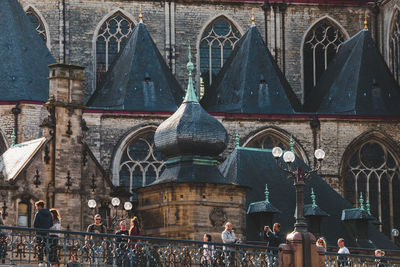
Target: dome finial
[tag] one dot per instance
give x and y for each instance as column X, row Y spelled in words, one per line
column 190, row 93
column 365, row 22
column 252, row 17
column 140, row 14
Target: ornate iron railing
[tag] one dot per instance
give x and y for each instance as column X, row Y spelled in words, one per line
column 29, row 246
column 355, row 260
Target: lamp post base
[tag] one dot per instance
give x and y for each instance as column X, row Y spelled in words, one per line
column 304, row 253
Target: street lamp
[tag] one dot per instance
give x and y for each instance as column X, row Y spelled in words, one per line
column 115, row 202
column 299, row 177
column 92, row 205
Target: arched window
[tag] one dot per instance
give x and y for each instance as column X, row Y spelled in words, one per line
column 111, row 38
column 270, row 138
column 217, row 43
column 394, row 43
column 373, row 170
column 141, row 163
column 320, row 46
column 37, row 23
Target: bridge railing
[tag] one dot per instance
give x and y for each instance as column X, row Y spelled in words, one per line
column 356, row 260
column 34, row 246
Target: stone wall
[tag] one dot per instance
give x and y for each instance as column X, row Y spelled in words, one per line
column 187, row 211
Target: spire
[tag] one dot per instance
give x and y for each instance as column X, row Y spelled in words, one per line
column 291, row 144
column 314, row 203
column 252, row 17
column 13, row 137
column 266, row 194
column 365, row 22
column 190, row 94
column 361, row 202
column 237, row 139
column 140, row 14
column 368, row 206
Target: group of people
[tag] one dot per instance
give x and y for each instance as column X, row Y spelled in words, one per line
column 342, row 260
column 46, row 219
column 126, row 243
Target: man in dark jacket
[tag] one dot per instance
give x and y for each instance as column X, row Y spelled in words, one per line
column 43, row 220
column 275, row 237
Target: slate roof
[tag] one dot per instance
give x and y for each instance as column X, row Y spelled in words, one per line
column 256, row 167
column 139, row 79
column 191, row 139
column 261, row 207
column 24, row 56
column 251, row 82
column 17, row 157
column 356, row 82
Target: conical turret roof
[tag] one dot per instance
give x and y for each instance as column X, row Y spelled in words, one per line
column 139, row 79
column 251, row 82
column 356, row 82
column 24, row 56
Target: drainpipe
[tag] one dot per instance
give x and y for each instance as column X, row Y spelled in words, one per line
column 16, row 111
column 315, row 127
column 266, row 8
column 282, row 8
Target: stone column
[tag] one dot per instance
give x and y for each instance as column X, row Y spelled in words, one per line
column 66, row 106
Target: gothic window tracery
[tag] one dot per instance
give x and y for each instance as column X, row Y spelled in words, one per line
column 141, row 163
column 320, row 46
column 37, row 23
column 112, row 37
column 217, row 43
column 394, row 43
column 271, row 139
column 373, row 171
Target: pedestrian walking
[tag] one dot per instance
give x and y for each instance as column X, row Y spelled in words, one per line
column 44, row 221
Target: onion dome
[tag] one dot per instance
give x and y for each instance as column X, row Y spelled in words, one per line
column 191, row 130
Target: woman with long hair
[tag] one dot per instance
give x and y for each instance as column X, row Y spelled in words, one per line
column 54, row 238
column 208, row 252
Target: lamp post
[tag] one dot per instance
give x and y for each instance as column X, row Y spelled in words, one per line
column 115, row 202
column 299, row 181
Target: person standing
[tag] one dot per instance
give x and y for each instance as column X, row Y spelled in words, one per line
column 122, row 245
column 342, row 260
column 54, row 237
column 93, row 243
column 274, row 237
column 42, row 220
column 3, row 241
column 208, row 252
column 228, row 237
column 379, row 260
